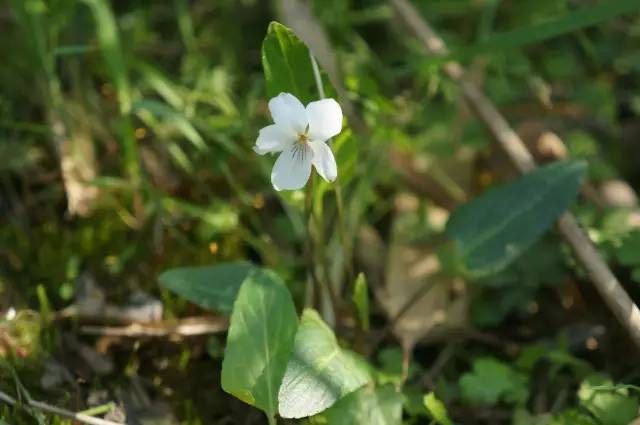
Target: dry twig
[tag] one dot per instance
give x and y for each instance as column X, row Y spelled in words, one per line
column 47, row 408
column 597, row 269
column 183, row 328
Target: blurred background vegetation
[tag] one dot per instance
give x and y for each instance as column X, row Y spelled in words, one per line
column 126, row 130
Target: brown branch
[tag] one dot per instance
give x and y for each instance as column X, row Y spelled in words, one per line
column 44, row 407
column 597, row 269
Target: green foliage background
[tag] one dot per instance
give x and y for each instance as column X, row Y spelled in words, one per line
column 126, row 131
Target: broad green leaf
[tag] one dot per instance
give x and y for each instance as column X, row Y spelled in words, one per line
column 319, row 372
column 436, row 409
column 287, row 64
column 491, row 381
column 211, row 287
column 610, row 404
column 371, row 406
column 361, row 300
column 260, row 339
column 493, row 230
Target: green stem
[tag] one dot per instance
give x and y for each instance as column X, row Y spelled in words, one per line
column 317, row 76
column 308, row 243
column 272, row 420
column 338, row 187
column 346, row 247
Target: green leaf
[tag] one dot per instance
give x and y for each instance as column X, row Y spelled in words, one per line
column 211, row 287
column 436, row 409
column 109, row 41
column 319, row 372
column 574, row 417
column 379, row 406
column 493, row 230
column 522, row 417
column 570, row 22
column 491, row 381
column 629, row 252
column 166, row 115
column 361, row 300
column 610, row 404
column 107, row 32
column 260, row 339
column 287, row 64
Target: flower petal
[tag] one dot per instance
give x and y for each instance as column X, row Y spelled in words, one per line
column 324, row 161
column 325, row 119
column 292, row 168
column 288, row 112
column 274, row 138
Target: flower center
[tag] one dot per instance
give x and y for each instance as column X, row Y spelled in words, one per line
column 301, row 147
column 304, row 137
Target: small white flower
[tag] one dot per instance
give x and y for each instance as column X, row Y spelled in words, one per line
column 300, row 135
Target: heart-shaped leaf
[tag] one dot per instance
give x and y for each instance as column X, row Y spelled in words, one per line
column 319, row 372
column 260, row 339
column 371, row 406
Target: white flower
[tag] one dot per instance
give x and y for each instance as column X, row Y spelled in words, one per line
column 300, row 135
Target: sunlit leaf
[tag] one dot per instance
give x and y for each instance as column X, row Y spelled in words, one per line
column 612, row 405
column 371, row 406
column 319, row 372
column 436, row 409
column 260, row 339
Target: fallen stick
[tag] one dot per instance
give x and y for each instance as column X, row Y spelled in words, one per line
column 597, row 269
column 183, row 328
column 44, row 407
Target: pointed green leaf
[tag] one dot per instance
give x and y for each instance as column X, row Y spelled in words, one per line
column 287, row 64
column 379, row 406
column 361, row 300
column 496, row 228
column 319, row 372
column 211, row 287
column 436, row 409
column 260, row 339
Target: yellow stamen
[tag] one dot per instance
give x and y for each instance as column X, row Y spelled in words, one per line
column 302, row 138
